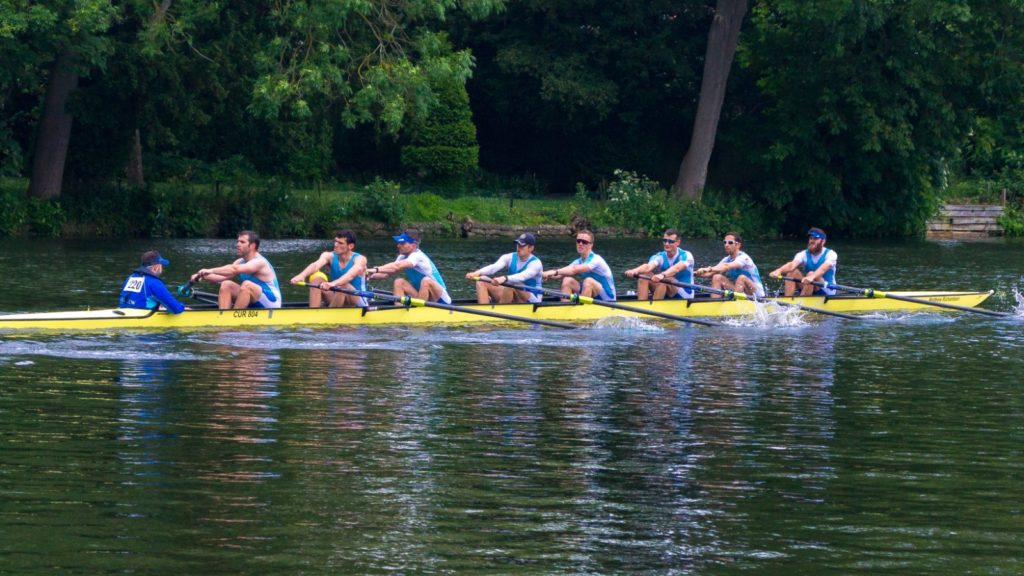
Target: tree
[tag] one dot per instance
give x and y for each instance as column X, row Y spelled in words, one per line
column 722, row 40
column 65, row 38
column 443, row 144
column 571, row 90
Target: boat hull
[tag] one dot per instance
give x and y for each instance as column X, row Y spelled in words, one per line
column 122, row 318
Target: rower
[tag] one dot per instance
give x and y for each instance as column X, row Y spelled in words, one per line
column 736, row 271
column 258, row 287
column 347, row 270
column 597, row 279
column 144, row 289
column 422, row 279
column 814, row 264
column 523, row 268
column 672, row 262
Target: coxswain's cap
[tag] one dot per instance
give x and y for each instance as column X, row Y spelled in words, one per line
column 152, row 258
column 816, row 233
column 526, row 238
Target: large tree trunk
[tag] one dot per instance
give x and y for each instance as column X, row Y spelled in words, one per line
column 54, row 130
column 722, row 39
column 133, row 173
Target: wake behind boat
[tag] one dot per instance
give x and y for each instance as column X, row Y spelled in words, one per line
column 298, row 316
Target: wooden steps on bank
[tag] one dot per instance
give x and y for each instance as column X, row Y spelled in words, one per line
column 966, row 221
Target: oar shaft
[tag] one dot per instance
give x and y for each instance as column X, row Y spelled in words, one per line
column 588, row 300
column 742, row 296
column 420, row 303
column 872, row 293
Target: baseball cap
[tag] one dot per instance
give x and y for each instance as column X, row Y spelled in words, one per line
column 405, row 236
column 816, row 233
column 526, row 238
column 153, row 257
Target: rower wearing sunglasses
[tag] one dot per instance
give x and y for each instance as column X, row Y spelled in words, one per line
column 672, row 262
column 736, row 271
column 597, row 279
column 815, row 264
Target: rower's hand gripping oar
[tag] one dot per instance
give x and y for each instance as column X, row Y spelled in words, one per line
column 730, row 294
column 409, row 301
column 580, row 299
column 872, row 293
column 186, row 291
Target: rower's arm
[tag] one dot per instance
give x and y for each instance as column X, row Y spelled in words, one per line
column 319, row 263
column 641, row 269
column 784, row 269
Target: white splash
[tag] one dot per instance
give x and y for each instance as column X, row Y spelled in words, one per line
column 1018, row 308
column 768, row 315
column 626, row 323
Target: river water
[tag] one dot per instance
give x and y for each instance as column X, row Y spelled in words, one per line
column 782, row 445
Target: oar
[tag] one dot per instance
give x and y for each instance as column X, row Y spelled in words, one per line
column 186, row 291
column 741, row 296
column 580, row 299
column 872, row 293
column 419, row 303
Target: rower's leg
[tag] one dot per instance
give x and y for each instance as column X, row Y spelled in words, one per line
column 316, row 295
column 570, row 285
column 746, row 285
column 227, row 294
column 592, row 288
column 248, row 293
column 402, row 287
column 661, row 291
column 643, row 288
column 430, row 290
column 789, row 288
column 721, row 282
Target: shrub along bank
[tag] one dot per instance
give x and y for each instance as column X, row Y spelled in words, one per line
column 629, row 205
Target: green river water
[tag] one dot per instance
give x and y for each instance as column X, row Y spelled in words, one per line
column 787, row 444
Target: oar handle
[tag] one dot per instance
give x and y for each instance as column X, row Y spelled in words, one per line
column 727, row 294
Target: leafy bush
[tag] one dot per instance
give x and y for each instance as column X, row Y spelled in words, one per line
column 444, row 143
column 1012, row 221
column 12, row 213
column 381, row 201
column 46, row 218
column 637, row 203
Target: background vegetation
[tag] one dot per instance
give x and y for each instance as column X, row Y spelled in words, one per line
column 860, row 116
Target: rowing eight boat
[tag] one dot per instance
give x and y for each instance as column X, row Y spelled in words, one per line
column 387, row 314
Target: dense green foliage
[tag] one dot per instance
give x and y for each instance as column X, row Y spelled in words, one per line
column 443, row 144
column 855, row 115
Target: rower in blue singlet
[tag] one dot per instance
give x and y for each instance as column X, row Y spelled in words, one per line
column 346, row 271
column 257, row 286
column 815, row 264
column 672, row 263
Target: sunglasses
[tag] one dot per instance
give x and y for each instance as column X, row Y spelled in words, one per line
column 729, row 242
column 582, row 241
column 668, row 241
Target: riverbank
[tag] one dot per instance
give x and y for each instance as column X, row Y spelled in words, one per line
column 275, row 210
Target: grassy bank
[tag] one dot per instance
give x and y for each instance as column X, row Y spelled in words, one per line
column 628, row 206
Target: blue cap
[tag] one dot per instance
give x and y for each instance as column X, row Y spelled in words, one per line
column 403, row 237
column 526, row 239
column 816, row 233
column 153, row 258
